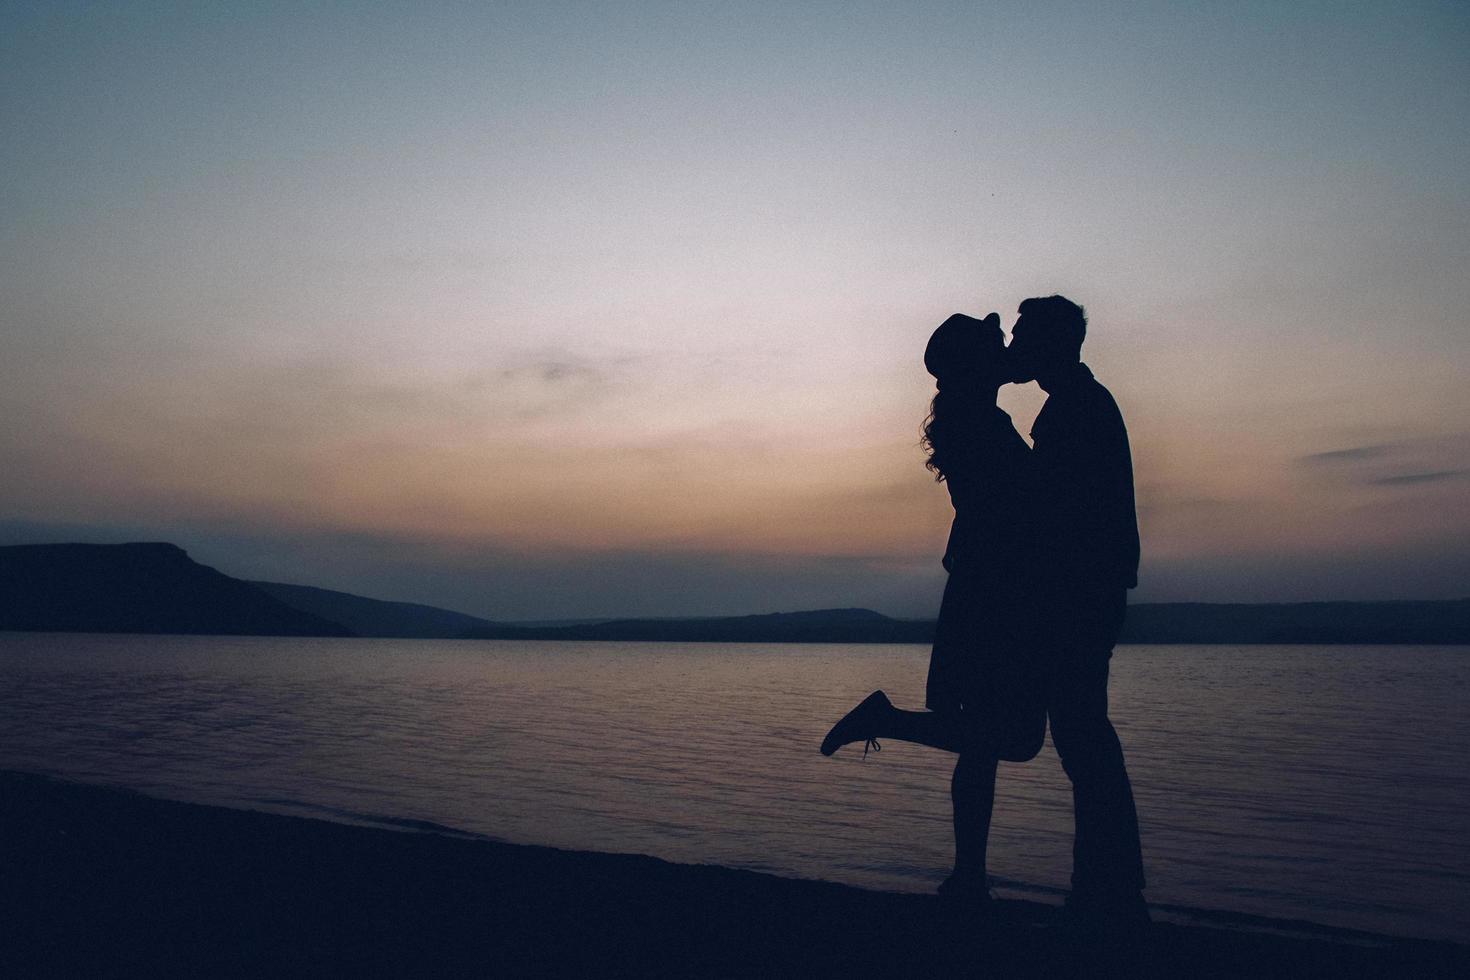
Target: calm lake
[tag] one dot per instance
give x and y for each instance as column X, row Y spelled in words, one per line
column 1313, row 783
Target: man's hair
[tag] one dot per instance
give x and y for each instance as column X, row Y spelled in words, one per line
column 1063, row 320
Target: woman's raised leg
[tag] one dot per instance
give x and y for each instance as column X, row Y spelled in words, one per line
column 876, row 718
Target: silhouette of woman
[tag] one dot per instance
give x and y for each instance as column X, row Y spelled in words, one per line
column 984, row 687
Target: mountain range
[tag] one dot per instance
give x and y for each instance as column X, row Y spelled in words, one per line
column 158, row 588
column 138, row 588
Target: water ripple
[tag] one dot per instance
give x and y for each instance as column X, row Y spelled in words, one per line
column 1311, row 784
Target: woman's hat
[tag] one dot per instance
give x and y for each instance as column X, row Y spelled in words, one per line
column 961, row 343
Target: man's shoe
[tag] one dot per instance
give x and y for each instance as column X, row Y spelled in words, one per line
column 1107, row 912
column 861, row 723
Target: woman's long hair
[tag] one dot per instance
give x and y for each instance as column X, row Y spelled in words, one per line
column 962, row 355
column 950, row 427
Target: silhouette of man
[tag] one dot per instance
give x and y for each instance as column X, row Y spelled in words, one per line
column 1088, row 555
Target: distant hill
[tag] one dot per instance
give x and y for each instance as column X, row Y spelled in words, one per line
column 1445, row 622
column 376, row 617
column 818, row 626
column 157, row 588
column 137, row 588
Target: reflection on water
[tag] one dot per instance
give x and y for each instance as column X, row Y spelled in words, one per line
column 1324, row 784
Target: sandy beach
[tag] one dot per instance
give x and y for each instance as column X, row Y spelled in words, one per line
column 101, row 882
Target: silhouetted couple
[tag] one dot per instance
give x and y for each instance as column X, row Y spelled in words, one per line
column 1041, row 554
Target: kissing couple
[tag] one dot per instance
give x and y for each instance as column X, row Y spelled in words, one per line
column 1041, row 555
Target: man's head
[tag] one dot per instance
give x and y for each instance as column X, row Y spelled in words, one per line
column 1046, row 338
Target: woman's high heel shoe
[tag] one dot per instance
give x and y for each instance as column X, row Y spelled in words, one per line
column 859, row 724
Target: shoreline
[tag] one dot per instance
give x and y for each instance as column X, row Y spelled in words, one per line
column 101, row 881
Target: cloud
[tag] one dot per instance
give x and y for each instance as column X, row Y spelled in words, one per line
column 1408, row 479
column 540, row 387
column 1347, row 455
column 1407, row 462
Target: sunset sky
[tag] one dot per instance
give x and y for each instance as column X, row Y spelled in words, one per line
column 560, row 310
